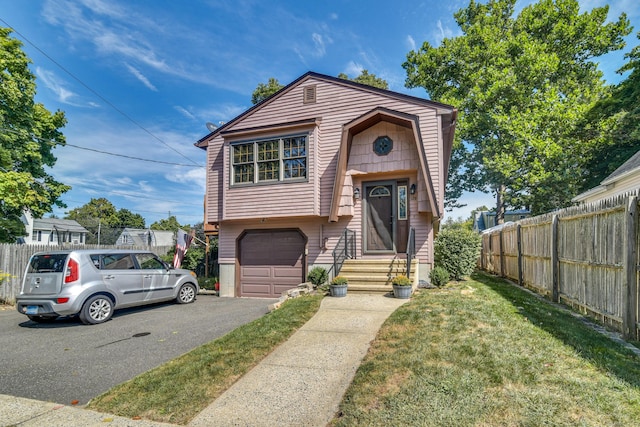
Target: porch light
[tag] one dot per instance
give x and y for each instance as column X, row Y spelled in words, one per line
column 413, row 189
column 356, row 193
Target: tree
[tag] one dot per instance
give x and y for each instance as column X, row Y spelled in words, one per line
column 169, row 224
column 613, row 125
column 126, row 218
column 103, row 221
column 29, row 134
column 522, row 86
column 367, row 79
column 263, row 91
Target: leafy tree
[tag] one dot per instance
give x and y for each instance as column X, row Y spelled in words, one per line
column 29, row 134
column 613, row 124
column 522, row 86
column 367, row 79
column 263, row 91
column 126, row 218
column 169, row 224
column 103, row 221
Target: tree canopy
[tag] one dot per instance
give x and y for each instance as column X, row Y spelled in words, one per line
column 522, row 86
column 613, row 126
column 103, row 221
column 29, row 134
column 265, row 90
column 367, row 79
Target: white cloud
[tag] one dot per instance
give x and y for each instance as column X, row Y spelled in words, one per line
column 353, row 69
column 411, row 43
column 318, row 42
column 55, row 85
column 137, row 74
column 184, row 112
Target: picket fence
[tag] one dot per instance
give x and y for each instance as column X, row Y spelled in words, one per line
column 586, row 257
column 14, row 259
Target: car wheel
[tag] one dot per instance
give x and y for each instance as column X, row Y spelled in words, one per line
column 43, row 319
column 97, row 309
column 186, row 294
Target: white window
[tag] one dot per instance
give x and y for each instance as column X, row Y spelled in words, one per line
column 269, row 160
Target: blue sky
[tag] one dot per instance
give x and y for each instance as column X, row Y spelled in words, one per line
column 141, row 78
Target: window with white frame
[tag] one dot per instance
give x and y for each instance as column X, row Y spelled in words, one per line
column 269, row 160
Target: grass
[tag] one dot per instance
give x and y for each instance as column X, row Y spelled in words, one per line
column 178, row 390
column 486, row 353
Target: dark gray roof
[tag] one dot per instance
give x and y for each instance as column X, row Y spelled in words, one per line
column 58, row 224
column 628, row 166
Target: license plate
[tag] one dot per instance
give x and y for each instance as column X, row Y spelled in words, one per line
column 32, row 309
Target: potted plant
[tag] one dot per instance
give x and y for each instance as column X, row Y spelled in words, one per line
column 402, row 286
column 338, row 286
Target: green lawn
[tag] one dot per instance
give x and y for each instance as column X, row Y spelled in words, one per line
column 486, row 353
column 178, row 390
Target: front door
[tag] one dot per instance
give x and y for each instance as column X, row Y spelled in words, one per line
column 379, row 221
column 386, row 216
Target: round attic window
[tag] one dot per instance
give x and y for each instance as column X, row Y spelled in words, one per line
column 382, row 145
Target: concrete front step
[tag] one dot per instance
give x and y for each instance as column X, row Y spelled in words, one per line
column 374, row 275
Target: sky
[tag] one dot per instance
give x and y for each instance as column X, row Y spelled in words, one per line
column 138, row 80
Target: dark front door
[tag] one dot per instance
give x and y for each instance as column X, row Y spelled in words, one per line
column 379, row 224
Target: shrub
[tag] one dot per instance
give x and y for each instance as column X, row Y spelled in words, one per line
column 457, row 251
column 401, row 280
column 318, row 276
column 439, row 276
column 339, row 280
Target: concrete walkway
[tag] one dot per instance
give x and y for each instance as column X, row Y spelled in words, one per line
column 300, row 384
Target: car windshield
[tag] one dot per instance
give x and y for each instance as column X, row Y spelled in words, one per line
column 51, row 263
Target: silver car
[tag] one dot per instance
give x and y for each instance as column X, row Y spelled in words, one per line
column 94, row 283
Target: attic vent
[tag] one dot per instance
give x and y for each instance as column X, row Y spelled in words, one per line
column 309, row 95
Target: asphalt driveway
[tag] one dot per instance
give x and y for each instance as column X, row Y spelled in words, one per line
column 67, row 361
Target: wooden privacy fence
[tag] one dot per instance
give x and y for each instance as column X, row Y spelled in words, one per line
column 14, row 259
column 586, row 257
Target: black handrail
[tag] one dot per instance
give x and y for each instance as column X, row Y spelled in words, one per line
column 411, row 249
column 345, row 248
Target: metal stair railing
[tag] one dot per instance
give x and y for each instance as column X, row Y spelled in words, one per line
column 411, row 249
column 345, row 249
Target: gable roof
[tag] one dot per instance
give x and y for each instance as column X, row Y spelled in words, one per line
column 59, row 225
column 628, row 168
column 365, row 121
column 442, row 108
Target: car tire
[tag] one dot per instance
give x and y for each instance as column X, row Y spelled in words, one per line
column 186, row 294
column 97, row 309
column 43, row 319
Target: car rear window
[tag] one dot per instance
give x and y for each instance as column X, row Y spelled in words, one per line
column 53, row 263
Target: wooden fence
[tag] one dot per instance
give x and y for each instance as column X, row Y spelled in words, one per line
column 586, row 257
column 14, row 259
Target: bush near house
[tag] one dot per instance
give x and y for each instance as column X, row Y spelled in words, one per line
column 318, row 276
column 439, row 276
column 457, row 251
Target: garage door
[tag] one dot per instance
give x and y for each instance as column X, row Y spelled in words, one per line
column 270, row 262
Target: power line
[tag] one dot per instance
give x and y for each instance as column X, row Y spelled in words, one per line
column 125, row 115
column 66, row 144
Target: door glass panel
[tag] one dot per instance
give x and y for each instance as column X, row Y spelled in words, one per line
column 380, row 219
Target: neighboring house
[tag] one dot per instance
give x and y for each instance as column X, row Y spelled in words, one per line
column 52, row 231
column 624, row 179
column 483, row 220
column 145, row 237
column 287, row 177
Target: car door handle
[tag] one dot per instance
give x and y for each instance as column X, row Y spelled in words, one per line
column 109, row 276
column 148, row 276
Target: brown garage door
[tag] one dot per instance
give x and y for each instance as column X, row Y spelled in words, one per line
column 270, row 262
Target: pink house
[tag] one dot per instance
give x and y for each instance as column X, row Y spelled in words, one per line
column 323, row 170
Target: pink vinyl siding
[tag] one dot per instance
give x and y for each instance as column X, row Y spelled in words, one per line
column 335, row 106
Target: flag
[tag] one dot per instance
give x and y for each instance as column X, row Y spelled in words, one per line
column 183, row 240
